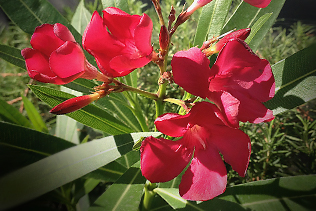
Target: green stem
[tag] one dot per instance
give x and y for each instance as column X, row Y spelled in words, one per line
column 148, row 195
column 141, row 92
column 138, row 113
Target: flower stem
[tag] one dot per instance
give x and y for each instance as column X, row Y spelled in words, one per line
column 148, row 195
column 139, row 91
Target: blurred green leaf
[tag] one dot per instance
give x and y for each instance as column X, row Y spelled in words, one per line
column 211, row 20
column 246, row 15
column 121, row 4
column 56, row 170
column 124, row 194
column 20, row 146
column 90, row 115
column 81, row 18
column 28, row 14
column 12, row 55
column 295, row 80
column 34, row 116
column 66, row 127
column 287, row 193
column 10, row 114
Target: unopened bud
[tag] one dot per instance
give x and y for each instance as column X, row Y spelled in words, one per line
column 76, row 103
column 163, row 39
column 241, row 34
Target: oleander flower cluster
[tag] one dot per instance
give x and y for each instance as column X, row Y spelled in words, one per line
column 230, row 91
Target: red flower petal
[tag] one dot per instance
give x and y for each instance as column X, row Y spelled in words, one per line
column 121, row 24
column 228, row 104
column 252, row 110
column 142, row 35
column 45, row 40
column 240, row 69
column 63, row 33
column 234, row 145
column 68, row 61
column 162, row 159
column 258, row 3
column 123, row 64
column 171, row 124
column 191, row 71
column 205, row 178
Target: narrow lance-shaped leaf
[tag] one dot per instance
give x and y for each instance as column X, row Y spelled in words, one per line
column 12, row 55
column 81, row 18
column 20, row 146
column 246, row 15
column 295, row 79
column 10, row 114
column 298, row 193
column 34, row 116
column 63, row 167
column 90, row 115
column 211, row 20
column 124, row 194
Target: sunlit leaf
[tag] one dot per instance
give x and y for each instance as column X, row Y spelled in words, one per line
column 124, row 194
column 295, row 80
column 296, row 193
column 56, row 170
column 81, row 18
column 211, row 21
column 90, row 115
column 246, row 15
column 34, row 116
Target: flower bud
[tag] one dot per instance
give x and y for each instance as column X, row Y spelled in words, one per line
column 241, row 34
column 163, row 39
column 76, row 103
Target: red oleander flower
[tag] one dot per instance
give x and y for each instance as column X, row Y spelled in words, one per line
column 258, row 3
column 204, row 135
column 56, row 57
column 119, row 42
column 238, row 83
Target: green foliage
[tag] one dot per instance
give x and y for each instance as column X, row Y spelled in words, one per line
column 84, row 173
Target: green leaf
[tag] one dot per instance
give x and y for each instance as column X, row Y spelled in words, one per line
column 20, row 146
column 211, row 20
column 12, row 55
column 34, row 116
column 295, row 79
column 82, row 85
column 66, row 127
column 28, row 14
column 63, row 167
column 90, row 115
column 121, row 4
column 257, row 26
column 81, row 18
column 117, row 105
column 10, row 114
column 246, row 15
column 124, row 194
column 294, row 193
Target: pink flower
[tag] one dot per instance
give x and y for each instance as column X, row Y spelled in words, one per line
column 258, row 3
column 56, row 57
column 119, row 42
column 237, row 83
column 204, row 135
